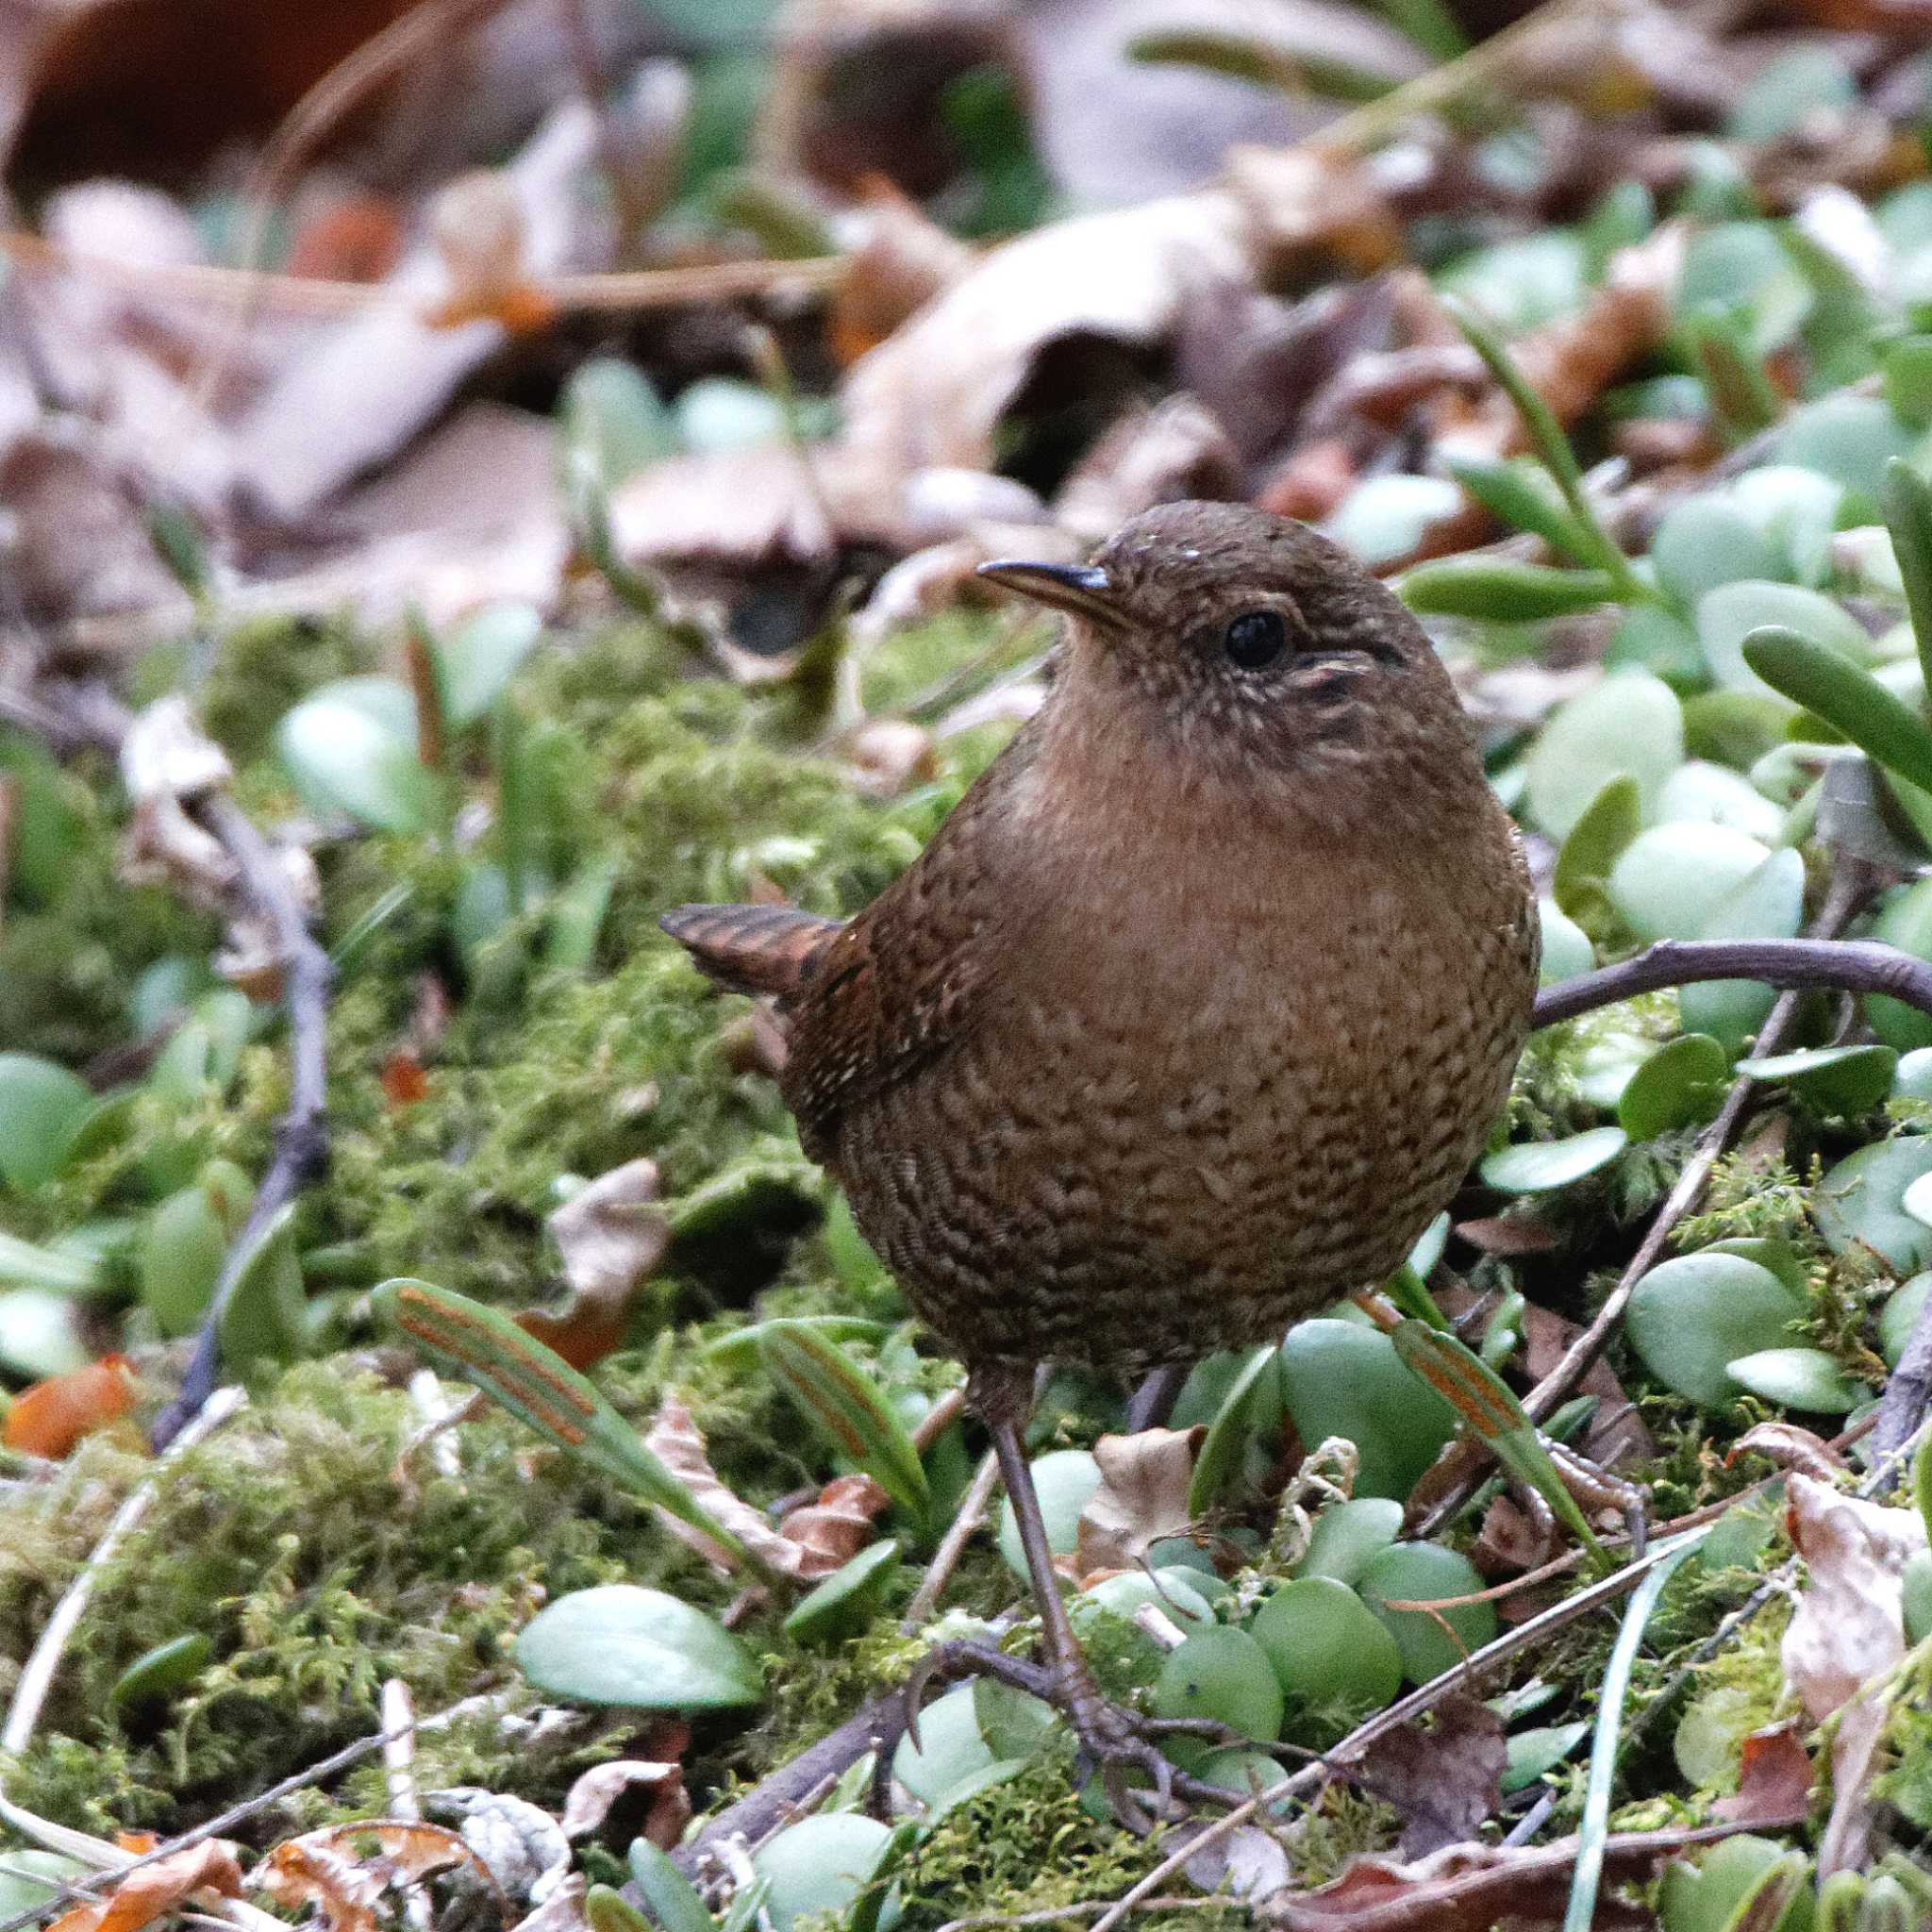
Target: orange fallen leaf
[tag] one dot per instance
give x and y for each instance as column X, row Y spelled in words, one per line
column 343, row 1869
column 403, row 1082
column 154, row 1890
column 52, row 1416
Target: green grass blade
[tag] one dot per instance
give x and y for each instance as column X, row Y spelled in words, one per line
column 1596, row 1827
column 1907, row 503
column 1847, row 697
column 1503, row 590
column 537, row 1386
column 843, row 1403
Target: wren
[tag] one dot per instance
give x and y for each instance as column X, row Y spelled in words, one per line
column 1194, row 1011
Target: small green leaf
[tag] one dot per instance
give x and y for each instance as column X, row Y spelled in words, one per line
column 1631, row 725
column 740, row 1347
column 165, row 1668
column 1539, row 1167
column 263, row 1323
column 1431, row 1641
column 1728, row 615
column 1225, row 1675
column 484, row 1346
column 1587, row 857
column 1502, row 591
column 1681, row 1084
column 1908, row 502
column 1805, row 1378
column 1328, row 1647
column 1692, row 1316
column 1767, row 902
column 1862, row 1201
column 1847, row 697
column 817, row 1868
column 480, row 657
column 642, row 1649
column 1221, row 1449
column 23, row 1265
column 1348, row 1534
column 40, row 1334
column 1343, row 1378
column 1834, row 1079
column 1535, row 1753
column 1064, row 1481
column 42, row 1109
column 607, row 1909
column 672, row 1901
column 1671, row 879
column 350, row 750
column 847, row 1408
column 843, row 1603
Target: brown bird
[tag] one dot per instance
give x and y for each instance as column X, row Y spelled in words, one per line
column 1195, row 1010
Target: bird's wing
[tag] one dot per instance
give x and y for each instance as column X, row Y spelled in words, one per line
column 756, row 949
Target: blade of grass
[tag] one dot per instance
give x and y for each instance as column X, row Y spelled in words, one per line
column 1548, row 438
column 1596, row 1827
column 1907, row 503
column 1847, row 697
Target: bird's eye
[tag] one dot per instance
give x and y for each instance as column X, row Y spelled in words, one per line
column 1255, row 639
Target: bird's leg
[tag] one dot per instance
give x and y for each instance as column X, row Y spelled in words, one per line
column 1117, row 1740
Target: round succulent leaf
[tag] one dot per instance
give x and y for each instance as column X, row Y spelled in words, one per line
column 1429, row 1245
column 1328, row 1647
column 1608, row 1063
column 1065, row 1480
column 846, row 1601
column 620, row 1644
column 264, row 1321
column 1384, row 519
column 1566, row 949
column 181, row 1251
column 1802, row 1378
column 1767, row 902
column 1014, row 1721
column 1340, row 1378
column 1905, row 921
column 1797, row 509
column 1668, row 881
column 951, row 1748
column 1789, row 92
column 350, row 750
column 42, row 1109
column 1690, row 1318
column 1734, row 728
column 1701, row 793
column 1652, row 639
column 1908, row 364
column 1862, row 1200
column 818, row 1867
column 1428, row 1572
column 1524, row 281
column 1726, row 616
column 480, row 657
column 1171, row 1591
column 1225, row 1675
column 41, row 1334
column 1716, row 1895
column 1769, row 1251
column 1347, row 1535
column 613, row 420
column 1849, row 439
column 1631, row 723
column 1900, row 1315
column 1704, row 541
column 168, row 1667
column 1580, row 881
column 1743, row 269
column 29, row 1879
column 1251, row 1772
column 1540, row 1167
column 1834, row 1079
column 1681, row 1084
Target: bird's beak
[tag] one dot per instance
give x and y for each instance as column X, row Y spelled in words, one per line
column 1083, row 588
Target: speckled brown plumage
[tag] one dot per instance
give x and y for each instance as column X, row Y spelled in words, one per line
column 1193, row 1012
column 1200, row 1004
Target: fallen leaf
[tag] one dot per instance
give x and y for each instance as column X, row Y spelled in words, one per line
column 51, row 1417
column 901, row 260
column 1774, row 1778
column 887, row 754
column 1789, row 1447
column 521, row 1848
column 167, row 763
column 563, row 1909
column 154, row 1890
column 611, row 1235
column 1143, row 1497
column 1443, row 1778
column 343, row 1869
column 1616, row 1433
column 809, row 1543
column 1166, row 454
column 404, row 1081
column 1848, row 1628
column 592, row 1796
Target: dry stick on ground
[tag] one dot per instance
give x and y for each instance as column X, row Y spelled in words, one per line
column 945, row 1559
column 301, row 1137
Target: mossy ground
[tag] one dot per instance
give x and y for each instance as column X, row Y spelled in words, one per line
column 320, row 1561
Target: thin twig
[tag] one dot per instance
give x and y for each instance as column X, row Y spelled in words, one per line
column 959, row 1532
column 37, row 1674
column 1907, row 1391
column 1136, row 1897
column 301, row 1137
column 940, row 1418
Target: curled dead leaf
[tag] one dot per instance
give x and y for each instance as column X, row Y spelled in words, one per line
column 902, row 259
column 343, row 1869
column 592, row 1796
column 1789, row 1447
column 154, row 1890
column 1773, row 1778
column 811, row 1542
column 52, row 1416
column 611, row 1236
column 1143, row 1497
column 1446, row 1778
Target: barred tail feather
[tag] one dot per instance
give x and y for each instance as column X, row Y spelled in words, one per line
column 756, row 949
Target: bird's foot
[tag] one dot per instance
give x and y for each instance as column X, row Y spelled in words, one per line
column 1118, row 1742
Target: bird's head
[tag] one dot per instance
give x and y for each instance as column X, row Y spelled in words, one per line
column 1243, row 640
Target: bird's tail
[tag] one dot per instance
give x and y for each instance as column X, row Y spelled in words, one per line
column 756, row 949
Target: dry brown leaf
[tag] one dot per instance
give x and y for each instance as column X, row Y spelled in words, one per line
column 49, row 1418
column 889, row 753
column 154, row 1890
column 561, row 1910
column 1848, row 1628
column 1445, row 1779
column 592, row 1796
column 1143, row 1497
column 342, row 1870
column 934, row 393
column 811, row 1542
column 611, row 1236
column 902, row 260
column 1789, row 1447
column 1301, row 202
column 1616, row 1432
column 1773, row 1778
